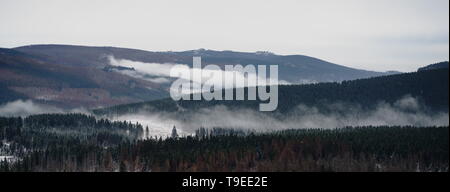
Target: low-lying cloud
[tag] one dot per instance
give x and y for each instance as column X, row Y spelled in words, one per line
column 406, row 111
column 28, row 107
column 160, row 73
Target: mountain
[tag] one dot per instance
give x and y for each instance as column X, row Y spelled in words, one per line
column 293, row 68
column 32, row 76
column 440, row 65
column 93, row 56
column 430, row 87
column 81, row 76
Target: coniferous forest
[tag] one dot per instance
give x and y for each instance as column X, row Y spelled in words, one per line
column 78, row 142
column 65, row 142
column 235, row 87
column 431, row 87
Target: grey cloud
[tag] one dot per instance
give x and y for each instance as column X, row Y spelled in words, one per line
column 28, row 107
column 406, row 111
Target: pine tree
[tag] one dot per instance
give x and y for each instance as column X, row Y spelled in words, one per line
column 174, row 132
column 123, row 167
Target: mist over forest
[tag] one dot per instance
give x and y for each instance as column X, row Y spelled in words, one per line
column 114, row 113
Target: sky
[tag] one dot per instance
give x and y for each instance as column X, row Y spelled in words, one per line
column 378, row 35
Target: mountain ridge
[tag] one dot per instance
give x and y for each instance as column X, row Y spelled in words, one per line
column 82, row 76
column 429, row 87
column 293, row 68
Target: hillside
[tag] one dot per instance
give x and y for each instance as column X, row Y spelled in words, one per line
column 81, row 76
column 440, row 65
column 293, row 68
column 429, row 87
column 76, row 142
column 25, row 76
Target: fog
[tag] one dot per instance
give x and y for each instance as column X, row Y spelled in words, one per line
column 406, row 111
column 28, row 107
column 161, row 73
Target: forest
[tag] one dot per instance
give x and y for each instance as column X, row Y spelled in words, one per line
column 93, row 143
column 430, row 87
column 79, row 142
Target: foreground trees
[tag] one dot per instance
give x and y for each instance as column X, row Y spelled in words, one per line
column 76, row 142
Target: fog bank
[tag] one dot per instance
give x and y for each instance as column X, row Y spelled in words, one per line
column 406, row 111
column 28, row 107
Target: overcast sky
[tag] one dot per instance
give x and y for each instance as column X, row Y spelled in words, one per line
column 369, row 34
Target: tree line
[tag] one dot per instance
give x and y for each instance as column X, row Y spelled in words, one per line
column 77, row 142
column 430, row 87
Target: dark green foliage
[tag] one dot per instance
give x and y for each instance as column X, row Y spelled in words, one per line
column 431, row 88
column 348, row 149
column 440, row 65
column 52, row 140
column 44, row 144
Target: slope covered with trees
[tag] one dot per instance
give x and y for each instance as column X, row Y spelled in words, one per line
column 430, row 87
column 30, row 76
column 293, row 68
column 440, row 65
column 347, row 149
column 66, row 138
